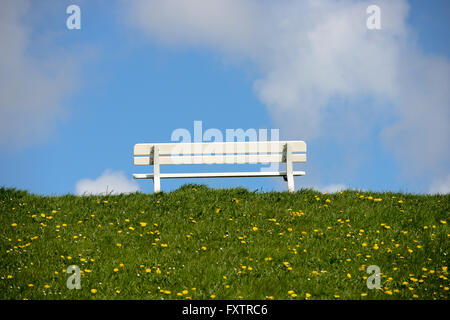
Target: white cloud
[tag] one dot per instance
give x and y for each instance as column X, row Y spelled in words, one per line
column 333, row 188
column 441, row 185
column 314, row 52
column 30, row 94
column 108, row 183
column 227, row 25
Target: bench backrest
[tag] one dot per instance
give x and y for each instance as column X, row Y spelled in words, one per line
column 219, row 152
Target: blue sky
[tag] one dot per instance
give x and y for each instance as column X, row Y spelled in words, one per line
column 76, row 101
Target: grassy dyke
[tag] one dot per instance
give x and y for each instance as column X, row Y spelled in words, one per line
column 202, row 243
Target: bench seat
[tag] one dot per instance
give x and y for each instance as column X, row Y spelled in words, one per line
column 216, row 175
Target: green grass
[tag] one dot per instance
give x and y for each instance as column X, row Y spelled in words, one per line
column 255, row 245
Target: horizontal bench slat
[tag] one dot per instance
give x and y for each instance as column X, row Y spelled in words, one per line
column 219, row 159
column 142, row 149
column 216, row 174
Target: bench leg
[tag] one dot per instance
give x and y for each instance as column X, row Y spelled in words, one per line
column 156, row 184
column 289, row 169
column 291, row 186
column 156, row 177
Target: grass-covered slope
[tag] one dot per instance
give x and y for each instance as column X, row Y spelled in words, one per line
column 201, row 243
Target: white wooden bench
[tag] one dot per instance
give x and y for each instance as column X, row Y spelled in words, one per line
column 158, row 154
